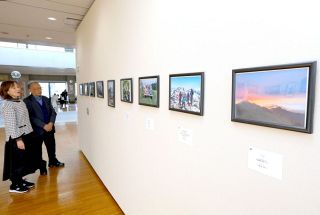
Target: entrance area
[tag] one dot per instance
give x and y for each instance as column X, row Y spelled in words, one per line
column 50, row 88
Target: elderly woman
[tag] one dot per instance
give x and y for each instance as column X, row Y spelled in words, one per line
column 18, row 130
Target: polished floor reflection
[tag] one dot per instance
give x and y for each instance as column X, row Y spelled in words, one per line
column 74, row 189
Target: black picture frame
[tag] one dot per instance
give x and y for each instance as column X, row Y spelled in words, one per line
column 100, row 89
column 86, row 90
column 126, row 90
column 186, row 93
column 149, row 91
column 92, row 89
column 111, row 93
column 278, row 96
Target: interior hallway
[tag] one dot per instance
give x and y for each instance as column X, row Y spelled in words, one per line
column 74, row 189
column 66, row 114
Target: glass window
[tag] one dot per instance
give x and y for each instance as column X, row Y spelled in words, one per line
column 8, row 45
column 50, row 48
column 35, row 47
column 29, row 46
column 22, row 45
column 45, row 89
column 57, row 88
column 48, row 89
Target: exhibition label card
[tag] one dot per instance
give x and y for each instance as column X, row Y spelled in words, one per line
column 265, row 162
column 185, row 135
column 149, row 124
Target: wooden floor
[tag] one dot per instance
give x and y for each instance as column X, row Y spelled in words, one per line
column 74, row 189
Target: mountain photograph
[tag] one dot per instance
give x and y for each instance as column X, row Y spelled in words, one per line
column 185, row 93
column 275, row 115
column 272, row 97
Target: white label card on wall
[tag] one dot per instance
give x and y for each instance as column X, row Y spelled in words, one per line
column 265, row 162
column 126, row 116
column 149, row 124
column 185, row 135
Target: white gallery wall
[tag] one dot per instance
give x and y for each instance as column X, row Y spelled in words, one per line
column 150, row 170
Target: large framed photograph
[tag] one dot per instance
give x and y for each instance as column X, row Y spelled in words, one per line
column 186, row 92
column 126, row 90
column 149, row 91
column 111, row 93
column 81, row 90
column 86, row 90
column 100, row 89
column 279, row 96
column 92, row 89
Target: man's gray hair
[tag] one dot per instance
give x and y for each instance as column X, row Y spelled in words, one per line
column 32, row 82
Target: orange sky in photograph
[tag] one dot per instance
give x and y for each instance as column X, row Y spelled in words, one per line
column 296, row 102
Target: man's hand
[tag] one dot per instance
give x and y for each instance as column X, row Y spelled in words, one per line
column 48, row 127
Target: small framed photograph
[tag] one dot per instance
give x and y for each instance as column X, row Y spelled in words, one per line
column 86, row 90
column 100, row 89
column 149, row 91
column 186, row 93
column 81, row 90
column 92, row 89
column 126, row 90
column 280, row 96
column 111, row 93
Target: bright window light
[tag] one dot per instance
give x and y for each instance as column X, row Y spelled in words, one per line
column 8, row 44
column 50, row 48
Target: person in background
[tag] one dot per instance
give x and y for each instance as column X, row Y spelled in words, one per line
column 19, row 139
column 54, row 100
column 42, row 118
column 63, row 98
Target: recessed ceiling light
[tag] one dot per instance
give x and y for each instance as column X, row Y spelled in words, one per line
column 49, row 38
column 52, row 18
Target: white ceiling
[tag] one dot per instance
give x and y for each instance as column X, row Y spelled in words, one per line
column 26, row 70
column 27, row 21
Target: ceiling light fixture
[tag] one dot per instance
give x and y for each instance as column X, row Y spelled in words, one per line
column 52, row 18
column 49, row 38
column 15, row 74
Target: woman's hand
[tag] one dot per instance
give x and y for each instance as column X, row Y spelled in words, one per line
column 20, row 144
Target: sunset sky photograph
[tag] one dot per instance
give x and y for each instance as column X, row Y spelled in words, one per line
column 285, row 88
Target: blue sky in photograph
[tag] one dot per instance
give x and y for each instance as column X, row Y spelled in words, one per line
column 148, row 81
column 186, row 82
column 269, row 79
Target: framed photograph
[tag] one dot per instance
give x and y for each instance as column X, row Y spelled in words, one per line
column 126, row 90
column 81, row 90
column 149, row 91
column 86, row 90
column 111, row 93
column 100, row 89
column 186, row 92
column 279, row 96
column 92, row 89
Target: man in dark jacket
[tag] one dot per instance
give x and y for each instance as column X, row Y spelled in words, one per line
column 42, row 117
